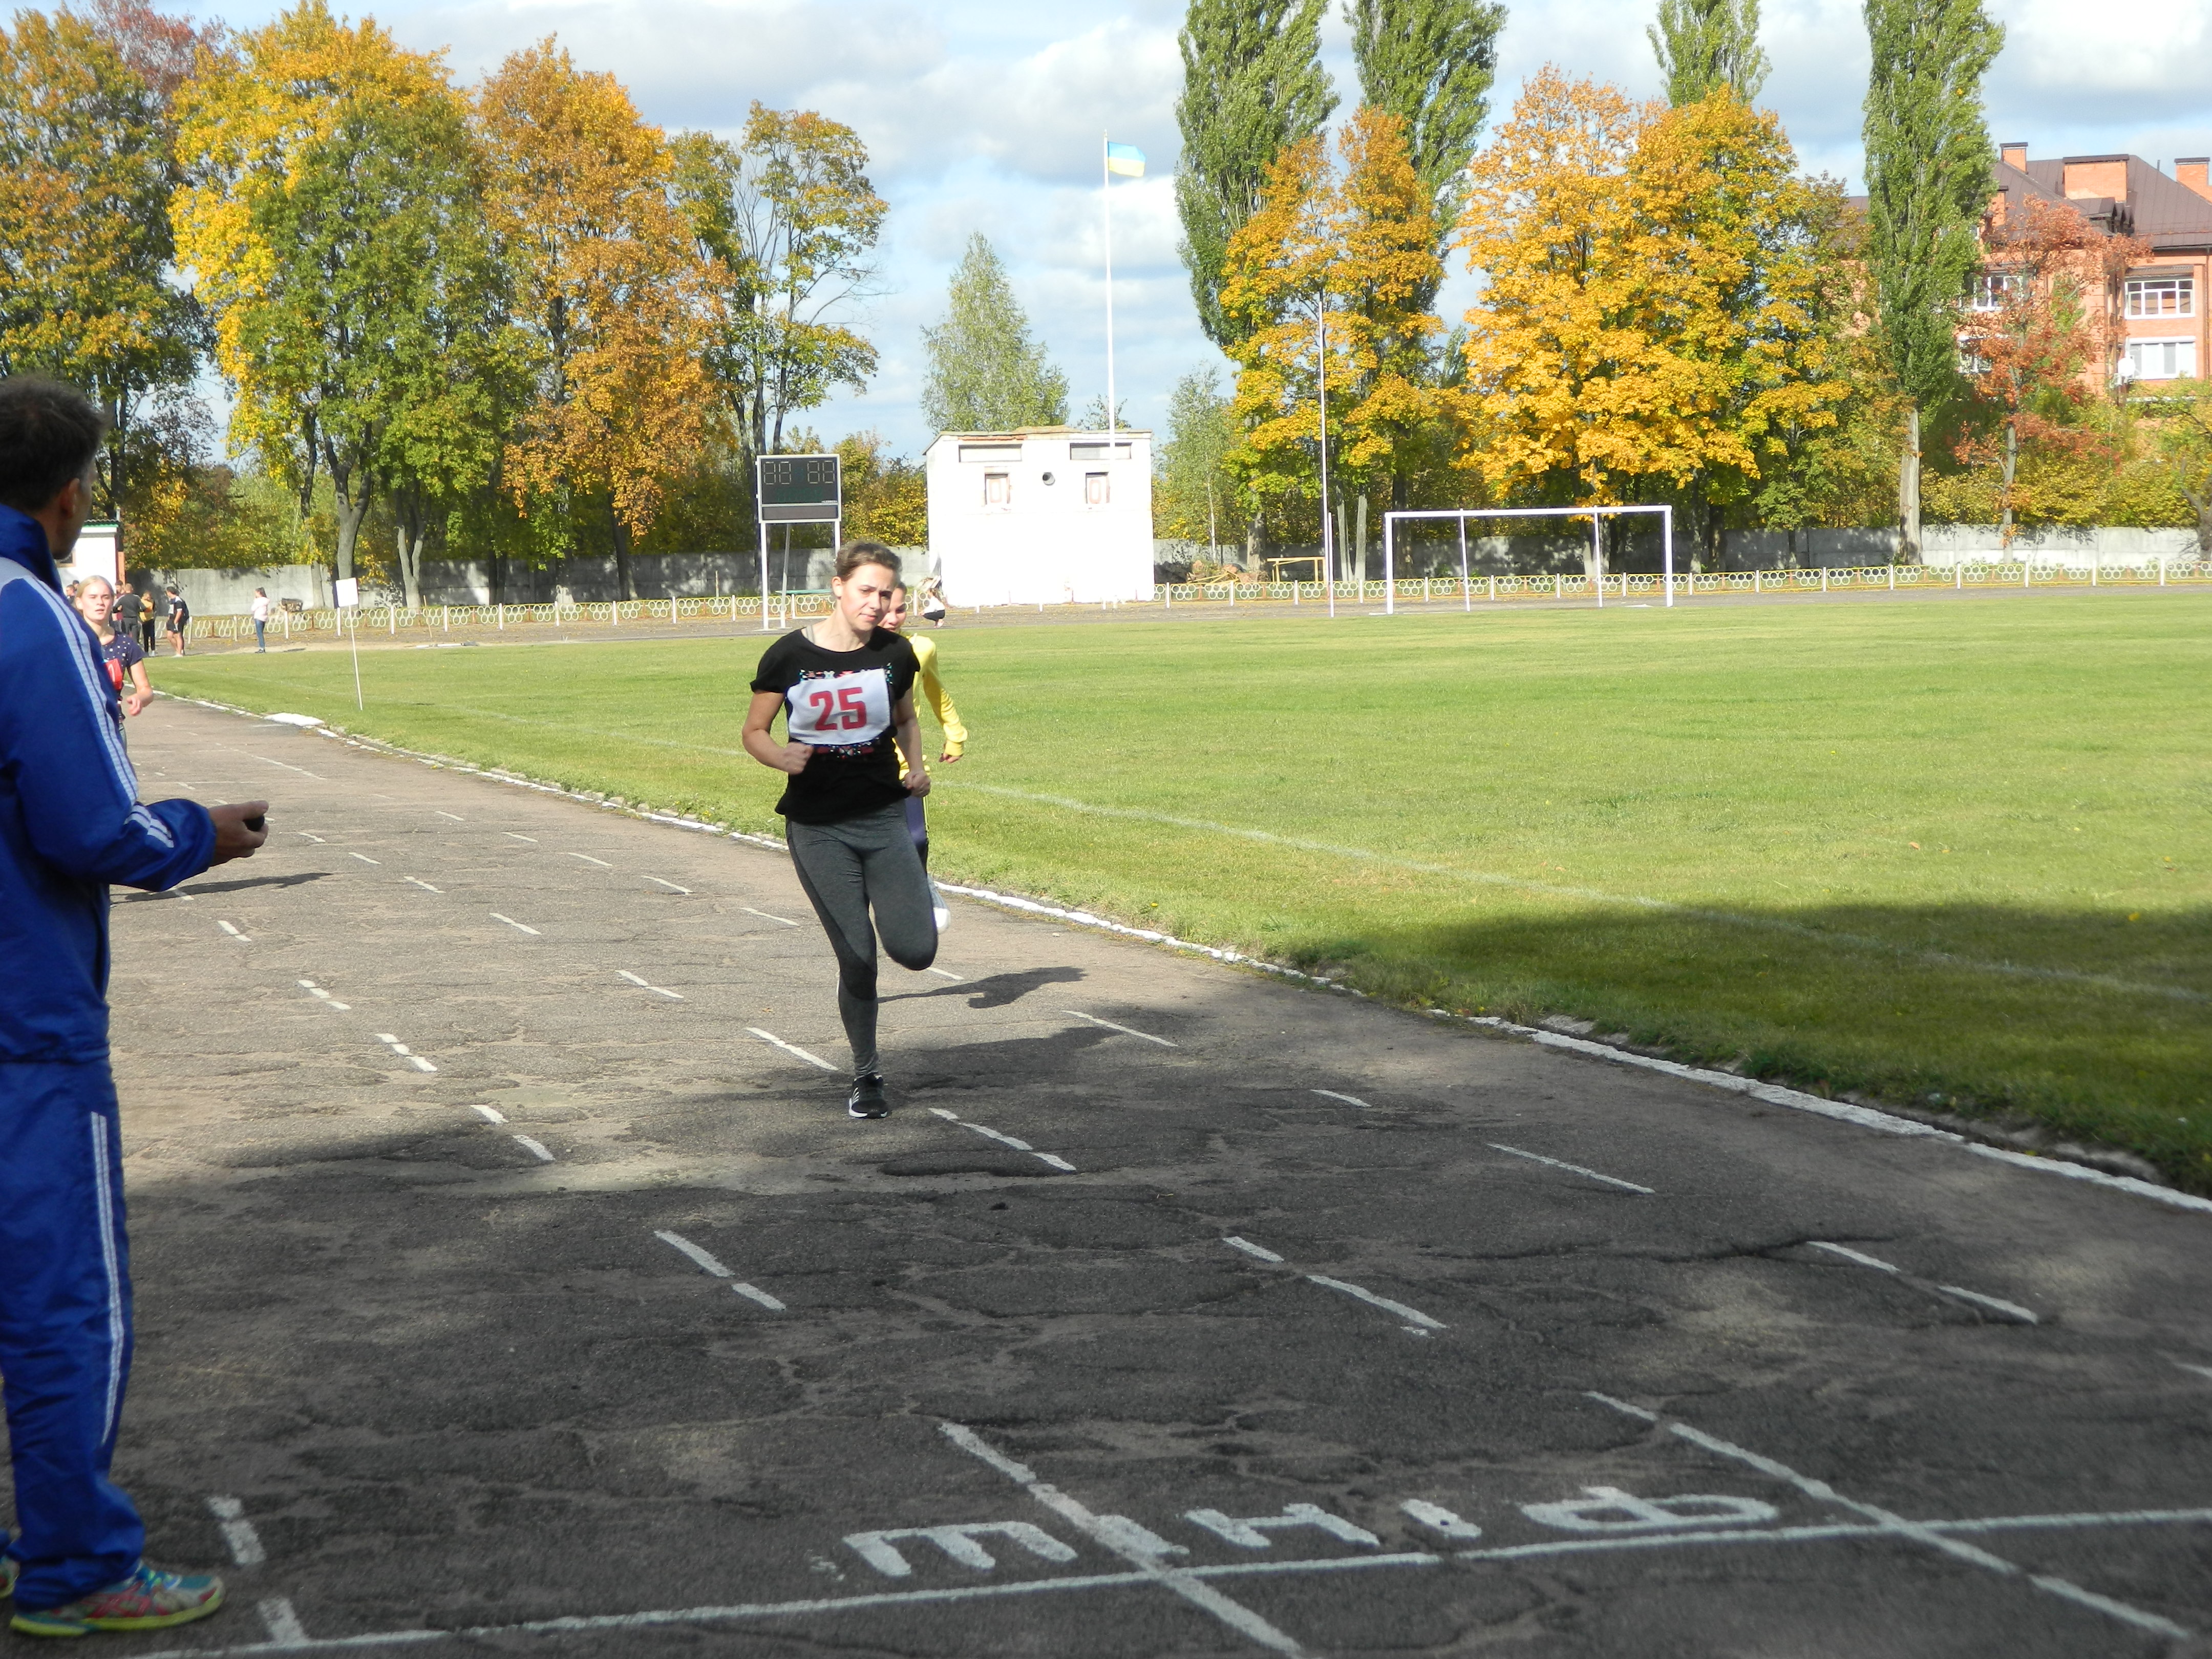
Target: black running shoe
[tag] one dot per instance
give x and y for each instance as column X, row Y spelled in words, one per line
column 868, row 1099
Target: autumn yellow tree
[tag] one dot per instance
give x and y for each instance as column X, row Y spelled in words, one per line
column 85, row 242
column 332, row 227
column 1656, row 316
column 1349, row 253
column 606, row 292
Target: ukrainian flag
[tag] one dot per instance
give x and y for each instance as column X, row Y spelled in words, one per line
column 1125, row 159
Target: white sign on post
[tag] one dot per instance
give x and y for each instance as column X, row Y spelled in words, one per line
column 349, row 592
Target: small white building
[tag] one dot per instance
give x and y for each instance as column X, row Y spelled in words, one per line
column 1041, row 515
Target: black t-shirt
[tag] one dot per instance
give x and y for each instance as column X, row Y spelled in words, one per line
column 127, row 606
column 839, row 703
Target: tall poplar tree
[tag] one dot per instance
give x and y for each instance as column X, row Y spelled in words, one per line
column 1928, row 159
column 1252, row 86
column 986, row 373
column 1703, row 45
column 1431, row 64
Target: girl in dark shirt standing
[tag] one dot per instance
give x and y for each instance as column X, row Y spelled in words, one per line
column 845, row 687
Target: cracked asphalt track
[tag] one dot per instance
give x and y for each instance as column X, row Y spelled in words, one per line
column 456, row 1386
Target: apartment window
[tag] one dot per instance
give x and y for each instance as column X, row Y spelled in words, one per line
column 2160, row 296
column 1097, row 488
column 998, row 490
column 1970, row 361
column 1993, row 290
column 2159, row 360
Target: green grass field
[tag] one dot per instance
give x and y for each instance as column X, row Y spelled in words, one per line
column 1947, row 853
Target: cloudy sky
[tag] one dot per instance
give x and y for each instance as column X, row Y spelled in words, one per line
column 988, row 116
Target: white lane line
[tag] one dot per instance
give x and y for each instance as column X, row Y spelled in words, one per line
column 266, row 760
column 237, row 1534
column 1896, row 1525
column 1125, row 1031
column 243, row 938
column 364, row 858
column 285, row 1630
column 535, row 1148
column 790, row 1048
column 1996, row 1304
column 1257, row 1251
column 670, row 885
column 1120, row 1537
column 750, row 911
column 1999, row 1303
column 751, row 1292
column 424, row 886
column 442, row 813
column 1850, row 1255
column 490, row 1113
column 679, row 1242
column 1412, row 1315
column 1004, row 1139
column 657, row 990
column 406, row 1054
column 318, row 839
column 941, row 973
column 1349, row 1100
column 325, row 997
column 1841, row 1530
column 1538, row 1158
column 2202, row 1371
column 519, row 927
column 510, row 834
column 588, row 859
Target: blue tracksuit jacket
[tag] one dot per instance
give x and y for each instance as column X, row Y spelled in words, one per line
column 70, row 822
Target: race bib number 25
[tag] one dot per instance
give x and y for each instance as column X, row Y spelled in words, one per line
column 839, row 710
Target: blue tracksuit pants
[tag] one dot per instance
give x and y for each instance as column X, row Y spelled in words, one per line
column 64, row 1328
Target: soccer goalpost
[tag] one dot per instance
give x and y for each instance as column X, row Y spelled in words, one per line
column 1461, row 515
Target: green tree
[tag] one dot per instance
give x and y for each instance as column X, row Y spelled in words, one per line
column 985, row 373
column 886, row 496
column 86, row 171
column 2185, row 443
column 336, row 230
column 1252, row 85
column 1194, row 497
column 786, row 223
column 1927, row 161
column 1703, row 45
column 1431, row 64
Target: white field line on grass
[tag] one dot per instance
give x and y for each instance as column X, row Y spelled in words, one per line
column 1769, row 1093
column 1367, row 855
column 1491, row 879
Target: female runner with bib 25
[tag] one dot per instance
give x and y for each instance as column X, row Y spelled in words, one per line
column 845, row 687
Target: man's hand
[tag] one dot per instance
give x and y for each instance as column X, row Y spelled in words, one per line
column 794, row 757
column 233, row 839
column 917, row 782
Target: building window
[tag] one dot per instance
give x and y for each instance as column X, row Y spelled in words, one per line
column 1097, row 489
column 1099, row 452
column 2160, row 296
column 2159, row 360
column 1993, row 291
column 998, row 490
column 1971, row 361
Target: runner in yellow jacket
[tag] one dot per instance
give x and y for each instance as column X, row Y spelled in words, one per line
column 932, row 690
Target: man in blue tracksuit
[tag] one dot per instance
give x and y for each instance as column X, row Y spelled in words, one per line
column 70, row 823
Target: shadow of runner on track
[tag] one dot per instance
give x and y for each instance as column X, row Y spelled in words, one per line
column 999, row 990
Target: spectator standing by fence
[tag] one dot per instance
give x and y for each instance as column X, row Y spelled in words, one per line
column 181, row 618
column 70, row 823
column 95, row 598
column 261, row 619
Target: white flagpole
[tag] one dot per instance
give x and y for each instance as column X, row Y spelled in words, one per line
column 1106, row 207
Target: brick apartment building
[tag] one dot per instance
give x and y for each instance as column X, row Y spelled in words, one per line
column 2162, row 300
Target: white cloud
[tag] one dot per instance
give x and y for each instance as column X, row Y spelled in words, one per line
column 987, row 117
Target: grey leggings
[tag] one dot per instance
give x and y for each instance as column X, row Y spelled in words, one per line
column 846, row 868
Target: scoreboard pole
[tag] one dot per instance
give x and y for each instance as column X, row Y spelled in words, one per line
column 763, row 566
